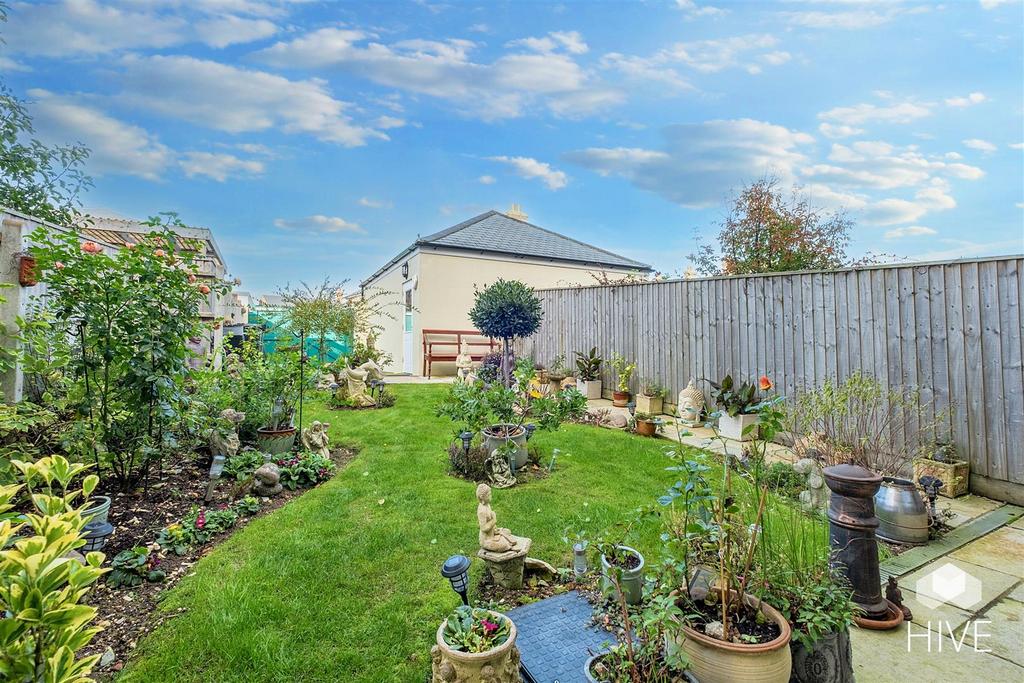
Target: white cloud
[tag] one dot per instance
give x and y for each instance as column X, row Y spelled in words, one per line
column 700, row 163
column 116, row 147
column 505, row 88
column 859, row 114
column 532, row 169
column 373, row 203
column 692, row 9
column 1017, row 145
column 992, row 4
column 319, row 224
column 237, row 100
column 479, row 28
column 570, row 41
column 980, row 145
column 841, row 20
column 776, row 58
column 487, row 180
column 8, row 64
column 838, row 131
column 229, row 30
column 218, row 166
column 966, row 249
column 712, row 56
column 644, row 69
column 909, row 231
column 967, row 100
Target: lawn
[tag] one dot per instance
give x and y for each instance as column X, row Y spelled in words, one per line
column 343, row 583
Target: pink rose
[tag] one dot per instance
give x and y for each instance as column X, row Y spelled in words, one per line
column 59, row 265
column 91, row 248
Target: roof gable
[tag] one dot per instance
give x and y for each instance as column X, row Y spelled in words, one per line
column 495, row 232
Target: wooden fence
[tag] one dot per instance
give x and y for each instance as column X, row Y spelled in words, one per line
column 952, row 330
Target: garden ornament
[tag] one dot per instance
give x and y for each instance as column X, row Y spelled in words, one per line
column 223, row 439
column 690, row 404
column 464, row 362
column 492, row 537
column 815, row 496
column 499, row 473
column 315, row 438
column 931, row 486
column 894, row 595
column 356, row 379
column 504, row 553
column 268, row 480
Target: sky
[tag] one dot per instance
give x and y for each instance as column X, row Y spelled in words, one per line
column 320, row 138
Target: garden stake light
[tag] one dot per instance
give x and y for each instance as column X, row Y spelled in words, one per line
column 456, row 570
column 95, row 535
column 579, row 559
column 467, row 440
column 216, row 469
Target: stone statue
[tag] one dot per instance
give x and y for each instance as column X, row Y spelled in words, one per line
column 690, row 404
column 498, row 471
column 223, row 439
column 492, row 537
column 894, row 595
column 268, row 480
column 816, row 495
column 314, row 438
column 464, row 362
column 325, row 381
column 356, row 379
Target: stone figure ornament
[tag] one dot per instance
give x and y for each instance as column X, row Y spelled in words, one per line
column 498, row 471
column 504, row 553
column 464, row 362
column 315, row 439
column 894, row 595
column 356, row 379
column 492, row 537
column 816, row 495
column 690, row 404
column 223, row 439
column 268, row 480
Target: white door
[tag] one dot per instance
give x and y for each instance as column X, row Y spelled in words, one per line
column 408, row 347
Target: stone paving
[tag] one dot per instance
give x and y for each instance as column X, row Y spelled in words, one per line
column 964, row 638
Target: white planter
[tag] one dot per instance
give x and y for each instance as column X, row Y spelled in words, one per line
column 651, row 405
column 589, row 388
column 734, row 427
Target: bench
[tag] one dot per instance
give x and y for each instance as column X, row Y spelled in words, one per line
column 444, row 345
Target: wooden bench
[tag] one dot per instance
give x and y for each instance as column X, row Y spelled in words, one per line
column 444, row 345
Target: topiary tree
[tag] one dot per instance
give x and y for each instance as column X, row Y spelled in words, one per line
column 506, row 310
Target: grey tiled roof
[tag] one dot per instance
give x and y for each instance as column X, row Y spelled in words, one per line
column 497, row 233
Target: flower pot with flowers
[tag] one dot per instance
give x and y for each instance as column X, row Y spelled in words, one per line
column 623, row 373
column 475, row 645
column 646, row 424
column 943, row 463
column 737, row 403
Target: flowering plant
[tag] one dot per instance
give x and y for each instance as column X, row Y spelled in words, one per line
column 304, row 469
column 470, row 629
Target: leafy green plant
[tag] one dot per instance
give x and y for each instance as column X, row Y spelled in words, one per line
column 475, row 630
column 651, row 388
column 304, row 470
column 588, row 365
column 249, row 505
column 733, row 399
column 490, row 368
column 557, row 369
column 44, row 624
column 242, row 465
column 173, row 539
column 133, row 566
column 506, row 310
column 623, row 371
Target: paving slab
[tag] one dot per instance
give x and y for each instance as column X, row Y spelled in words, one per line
column 1002, row 550
column 970, row 506
column 1017, row 593
column 887, row 657
column 935, row 618
column 1004, row 635
column 1018, row 524
column 993, row 583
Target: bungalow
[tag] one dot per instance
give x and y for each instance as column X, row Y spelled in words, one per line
column 434, row 279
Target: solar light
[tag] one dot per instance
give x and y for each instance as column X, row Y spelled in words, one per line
column 456, row 570
column 95, row 535
column 216, row 469
column 579, row 559
column 530, row 429
column 467, row 440
column 632, row 407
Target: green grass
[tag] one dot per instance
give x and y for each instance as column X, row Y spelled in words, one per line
column 343, row 583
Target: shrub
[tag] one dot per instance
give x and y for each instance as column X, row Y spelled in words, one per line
column 733, row 399
column 304, row 470
column 506, row 310
column 623, row 371
column 40, row 589
column 133, row 566
column 241, row 466
column 588, row 365
column 489, row 369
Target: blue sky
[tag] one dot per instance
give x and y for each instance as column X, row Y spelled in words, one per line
column 319, row 138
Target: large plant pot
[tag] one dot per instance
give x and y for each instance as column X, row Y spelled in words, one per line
column 736, row 427
column 652, row 405
column 593, row 678
column 901, row 512
column 955, row 475
column 717, row 661
column 495, row 438
column 275, row 441
column 632, row 581
column 453, row 665
column 620, row 399
column 591, row 388
column 646, row 427
column 99, row 508
column 829, row 660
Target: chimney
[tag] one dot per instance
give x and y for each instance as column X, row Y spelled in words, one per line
column 516, row 211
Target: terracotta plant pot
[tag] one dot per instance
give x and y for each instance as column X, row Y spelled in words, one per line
column 620, row 399
column 646, row 427
column 591, row 388
column 736, row 427
column 451, row 665
column 495, row 438
column 717, row 661
column 955, row 476
column 275, row 441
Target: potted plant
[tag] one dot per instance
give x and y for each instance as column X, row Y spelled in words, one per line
column 506, row 310
column 944, row 464
column 651, row 397
column 646, row 424
column 557, row 373
column 472, row 639
column 99, row 508
column 588, row 373
column 737, row 419
column 279, row 384
column 623, row 372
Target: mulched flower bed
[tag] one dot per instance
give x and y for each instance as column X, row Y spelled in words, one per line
column 126, row 614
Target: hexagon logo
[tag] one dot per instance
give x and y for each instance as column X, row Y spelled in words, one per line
column 949, row 584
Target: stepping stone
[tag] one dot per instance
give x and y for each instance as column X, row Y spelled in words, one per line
column 556, row 637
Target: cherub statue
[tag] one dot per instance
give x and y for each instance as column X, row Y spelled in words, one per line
column 315, row 438
column 492, row 537
column 223, row 438
column 498, row 471
column 356, row 379
column 464, row 362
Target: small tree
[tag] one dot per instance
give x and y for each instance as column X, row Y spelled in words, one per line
column 765, row 232
column 319, row 311
column 506, row 310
